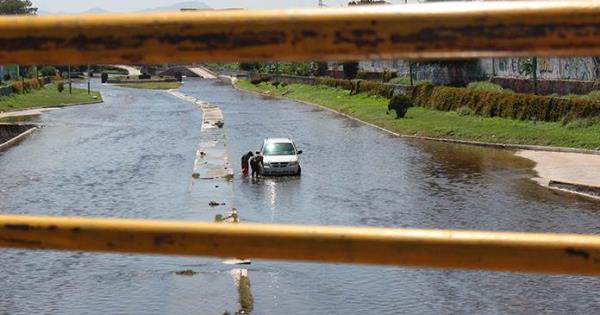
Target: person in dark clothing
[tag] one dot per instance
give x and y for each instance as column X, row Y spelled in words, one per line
column 245, row 159
column 256, row 163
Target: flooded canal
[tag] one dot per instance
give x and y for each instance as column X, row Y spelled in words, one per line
column 133, row 156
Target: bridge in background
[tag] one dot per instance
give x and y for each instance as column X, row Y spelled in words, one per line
column 190, row 71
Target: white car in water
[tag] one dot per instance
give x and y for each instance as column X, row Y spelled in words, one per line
column 280, row 157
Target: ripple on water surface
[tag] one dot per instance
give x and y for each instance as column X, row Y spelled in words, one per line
column 132, row 157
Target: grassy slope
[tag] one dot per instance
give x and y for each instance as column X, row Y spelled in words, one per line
column 48, row 97
column 433, row 123
column 152, row 85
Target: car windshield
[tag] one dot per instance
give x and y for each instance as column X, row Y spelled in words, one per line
column 279, row 149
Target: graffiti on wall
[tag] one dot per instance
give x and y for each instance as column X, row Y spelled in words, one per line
column 545, row 65
column 577, row 68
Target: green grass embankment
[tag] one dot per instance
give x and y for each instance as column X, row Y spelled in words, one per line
column 425, row 122
column 152, row 85
column 48, row 97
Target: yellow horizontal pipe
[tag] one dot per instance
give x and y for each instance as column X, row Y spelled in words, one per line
column 437, row 30
column 499, row 251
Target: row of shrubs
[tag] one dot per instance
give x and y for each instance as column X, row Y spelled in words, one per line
column 481, row 101
column 358, row 86
column 26, row 85
column 503, row 104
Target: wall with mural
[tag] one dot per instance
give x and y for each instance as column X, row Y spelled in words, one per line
column 576, row 68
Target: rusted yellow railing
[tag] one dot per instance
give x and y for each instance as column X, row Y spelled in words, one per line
column 439, row 30
column 549, row 253
column 447, row 30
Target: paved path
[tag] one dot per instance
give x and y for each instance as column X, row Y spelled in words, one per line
column 130, row 69
column 202, row 72
column 212, row 160
column 26, row 112
column 577, row 168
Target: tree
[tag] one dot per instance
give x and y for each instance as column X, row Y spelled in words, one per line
column 17, row 7
column 249, row 66
column 350, row 69
column 48, row 71
column 320, row 69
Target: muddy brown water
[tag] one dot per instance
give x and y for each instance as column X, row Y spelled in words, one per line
column 132, row 157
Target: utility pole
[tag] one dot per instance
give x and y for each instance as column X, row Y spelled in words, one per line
column 89, row 78
column 69, row 76
column 410, row 72
column 534, row 74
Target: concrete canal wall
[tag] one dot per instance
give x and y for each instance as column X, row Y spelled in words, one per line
column 555, row 75
column 12, row 134
column 574, row 68
column 547, row 87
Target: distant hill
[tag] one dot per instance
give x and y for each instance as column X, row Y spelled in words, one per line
column 95, row 11
column 178, row 6
column 170, row 8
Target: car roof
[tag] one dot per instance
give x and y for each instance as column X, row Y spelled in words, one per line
column 278, row 140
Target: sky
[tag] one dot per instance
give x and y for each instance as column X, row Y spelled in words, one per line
column 136, row 5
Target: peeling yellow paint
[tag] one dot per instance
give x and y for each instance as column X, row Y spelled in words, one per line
column 500, row 251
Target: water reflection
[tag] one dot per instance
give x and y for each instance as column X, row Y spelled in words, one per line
column 356, row 175
column 132, row 156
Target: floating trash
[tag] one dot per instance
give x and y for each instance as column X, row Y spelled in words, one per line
column 188, row 273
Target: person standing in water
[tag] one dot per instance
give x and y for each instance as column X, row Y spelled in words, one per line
column 245, row 159
column 256, row 163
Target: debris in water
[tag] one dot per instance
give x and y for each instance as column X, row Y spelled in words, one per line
column 213, row 203
column 188, row 272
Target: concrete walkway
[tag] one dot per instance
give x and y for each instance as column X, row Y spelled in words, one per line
column 212, row 159
column 130, row 69
column 202, row 72
column 26, row 112
column 576, row 169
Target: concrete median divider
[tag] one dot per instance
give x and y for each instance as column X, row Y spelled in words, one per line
column 576, row 188
column 12, row 134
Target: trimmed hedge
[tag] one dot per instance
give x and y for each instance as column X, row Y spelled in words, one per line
column 357, row 86
column 506, row 105
column 336, row 83
column 259, row 78
column 25, row 85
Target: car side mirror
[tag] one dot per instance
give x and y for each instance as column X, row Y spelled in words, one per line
column 299, row 152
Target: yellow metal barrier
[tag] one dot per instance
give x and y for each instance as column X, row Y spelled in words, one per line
column 440, row 30
column 448, row 30
column 526, row 252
